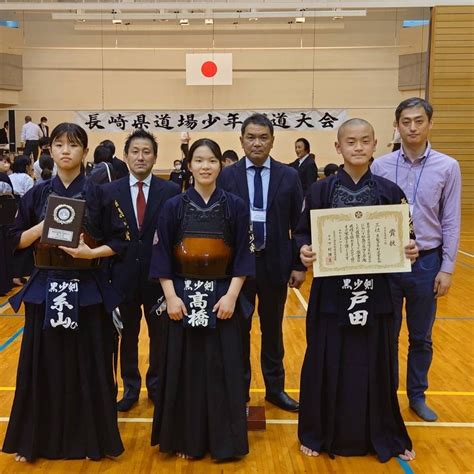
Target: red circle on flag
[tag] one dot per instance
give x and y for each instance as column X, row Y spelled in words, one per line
column 209, row 69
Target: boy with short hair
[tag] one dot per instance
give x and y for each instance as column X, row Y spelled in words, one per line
column 348, row 399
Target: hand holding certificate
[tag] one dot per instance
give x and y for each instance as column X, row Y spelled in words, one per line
column 360, row 240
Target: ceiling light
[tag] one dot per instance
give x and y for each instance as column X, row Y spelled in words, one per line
column 300, row 19
column 208, row 21
column 115, row 21
column 254, row 17
column 184, row 22
column 336, row 13
column 216, row 15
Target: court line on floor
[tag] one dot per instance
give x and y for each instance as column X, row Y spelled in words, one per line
column 466, row 253
column 422, row 424
column 399, row 392
column 4, row 306
column 11, row 339
column 441, row 393
column 454, row 318
column 404, row 465
column 301, row 298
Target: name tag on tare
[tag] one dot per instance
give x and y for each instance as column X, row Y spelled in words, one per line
column 258, row 216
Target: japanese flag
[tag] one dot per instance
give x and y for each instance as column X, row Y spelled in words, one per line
column 213, row 69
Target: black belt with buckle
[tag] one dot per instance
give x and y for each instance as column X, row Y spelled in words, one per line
column 260, row 253
column 427, row 252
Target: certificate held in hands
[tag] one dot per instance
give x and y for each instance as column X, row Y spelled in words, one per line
column 360, row 240
column 63, row 221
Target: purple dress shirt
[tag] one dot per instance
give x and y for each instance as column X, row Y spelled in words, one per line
column 432, row 185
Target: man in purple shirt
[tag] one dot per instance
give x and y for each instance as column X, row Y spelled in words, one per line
column 432, row 184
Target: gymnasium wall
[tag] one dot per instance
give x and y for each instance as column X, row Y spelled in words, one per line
column 451, row 81
column 10, row 67
column 355, row 68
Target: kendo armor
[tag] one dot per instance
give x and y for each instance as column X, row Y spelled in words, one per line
column 344, row 197
column 203, row 246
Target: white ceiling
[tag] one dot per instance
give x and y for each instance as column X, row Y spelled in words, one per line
column 218, row 6
column 136, row 12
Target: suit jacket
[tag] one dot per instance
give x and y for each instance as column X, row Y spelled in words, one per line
column 47, row 130
column 3, row 137
column 308, row 171
column 284, row 203
column 130, row 271
column 120, row 168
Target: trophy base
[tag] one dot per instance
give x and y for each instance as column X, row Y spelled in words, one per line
column 256, row 418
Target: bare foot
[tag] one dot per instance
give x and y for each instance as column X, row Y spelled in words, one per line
column 19, row 458
column 407, row 455
column 308, row 451
column 184, row 456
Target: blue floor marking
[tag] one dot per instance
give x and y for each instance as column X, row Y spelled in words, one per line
column 406, row 468
column 9, row 341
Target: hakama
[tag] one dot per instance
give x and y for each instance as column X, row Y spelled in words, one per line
column 201, row 405
column 348, row 394
column 65, row 398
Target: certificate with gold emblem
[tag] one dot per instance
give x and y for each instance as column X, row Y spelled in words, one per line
column 63, row 221
column 358, row 240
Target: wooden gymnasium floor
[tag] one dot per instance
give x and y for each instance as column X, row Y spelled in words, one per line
column 445, row 446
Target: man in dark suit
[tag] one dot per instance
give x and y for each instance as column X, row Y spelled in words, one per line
column 305, row 164
column 141, row 197
column 43, row 125
column 273, row 193
column 4, row 139
column 120, row 168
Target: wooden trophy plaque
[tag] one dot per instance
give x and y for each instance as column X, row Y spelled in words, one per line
column 63, row 221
